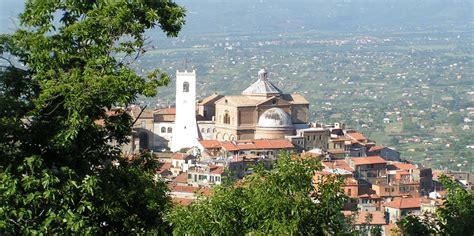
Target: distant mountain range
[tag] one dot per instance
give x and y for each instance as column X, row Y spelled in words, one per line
column 229, row 16
column 218, row 16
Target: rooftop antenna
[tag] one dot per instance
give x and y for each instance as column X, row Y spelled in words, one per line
column 186, row 64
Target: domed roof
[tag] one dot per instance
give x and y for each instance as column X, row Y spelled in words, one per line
column 262, row 86
column 274, row 118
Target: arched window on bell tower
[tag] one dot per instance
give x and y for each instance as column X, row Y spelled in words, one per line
column 185, row 87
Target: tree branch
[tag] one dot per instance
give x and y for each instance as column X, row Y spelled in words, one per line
column 139, row 114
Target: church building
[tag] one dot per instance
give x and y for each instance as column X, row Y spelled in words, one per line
column 262, row 111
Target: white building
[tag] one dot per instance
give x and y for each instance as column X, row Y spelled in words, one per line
column 185, row 132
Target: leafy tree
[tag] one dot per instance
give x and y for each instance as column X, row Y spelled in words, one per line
column 276, row 201
column 456, row 217
column 457, row 214
column 61, row 73
column 414, row 225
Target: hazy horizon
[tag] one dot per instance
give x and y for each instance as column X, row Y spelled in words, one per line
column 246, row 16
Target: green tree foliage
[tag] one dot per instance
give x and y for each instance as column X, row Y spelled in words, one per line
column 67, row 65
column 456, row 217
column 277, row 201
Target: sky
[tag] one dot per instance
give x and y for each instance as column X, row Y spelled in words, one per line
column 224, row 16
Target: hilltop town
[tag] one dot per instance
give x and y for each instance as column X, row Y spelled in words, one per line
column 227, row 136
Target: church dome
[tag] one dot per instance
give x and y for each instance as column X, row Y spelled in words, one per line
column 262, row 87
column 274, row 118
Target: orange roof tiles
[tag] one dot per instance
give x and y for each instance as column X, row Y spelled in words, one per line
column 228, row 146
column 165, row 166
column 378, row 218
column 242, row 145
column 376, row 148
column 264, row 144
column 183, row 201
column 210, row 99
column 183, row 189
column 368, row 160
column 357, row 136
column 182, row 178
column 180, row 156
column 366, row 195
column 403, row 166
column 209, row 144
column 340, row 139
column 404, row 203
column 217, row 169
column 340, row 164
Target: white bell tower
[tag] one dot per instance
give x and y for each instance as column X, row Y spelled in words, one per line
column 185, row 132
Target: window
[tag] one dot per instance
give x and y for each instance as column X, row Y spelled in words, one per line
column 163, row 130
column 208, row 130
column 143, row 124
column 202, row 130
column 186, row 87
column 170, row 130
column 190, row 176
column 212, row 178
column 349, row 192
column 226, row 117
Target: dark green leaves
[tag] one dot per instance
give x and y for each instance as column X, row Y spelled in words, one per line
column 58, row 165
column 277, row 201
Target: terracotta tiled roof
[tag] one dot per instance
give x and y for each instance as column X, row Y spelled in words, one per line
column 366, row 195
column 217, row 169
column 377, row 217
column 357, row 136
column 182, row 201
column 340, row 139
column 163, row 167
column 210, row 144
column 341, row 164
column 210, row 99
column 294, row 98
column 242, row 145
column 350, row 181
column 204, row 191
column 368, row 160
column 166, row 111
column 390, row 228
column 376, row 148
column 239, row 101
column 404, row 203
column 228, row 146
column 182, row 178
column 183, row 189
column 402, row 166
column 180, row 156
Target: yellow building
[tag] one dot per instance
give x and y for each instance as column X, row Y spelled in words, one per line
column 262, row 112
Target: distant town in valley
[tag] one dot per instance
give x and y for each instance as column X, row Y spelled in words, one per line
column 411, row 91
column 202, row 142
